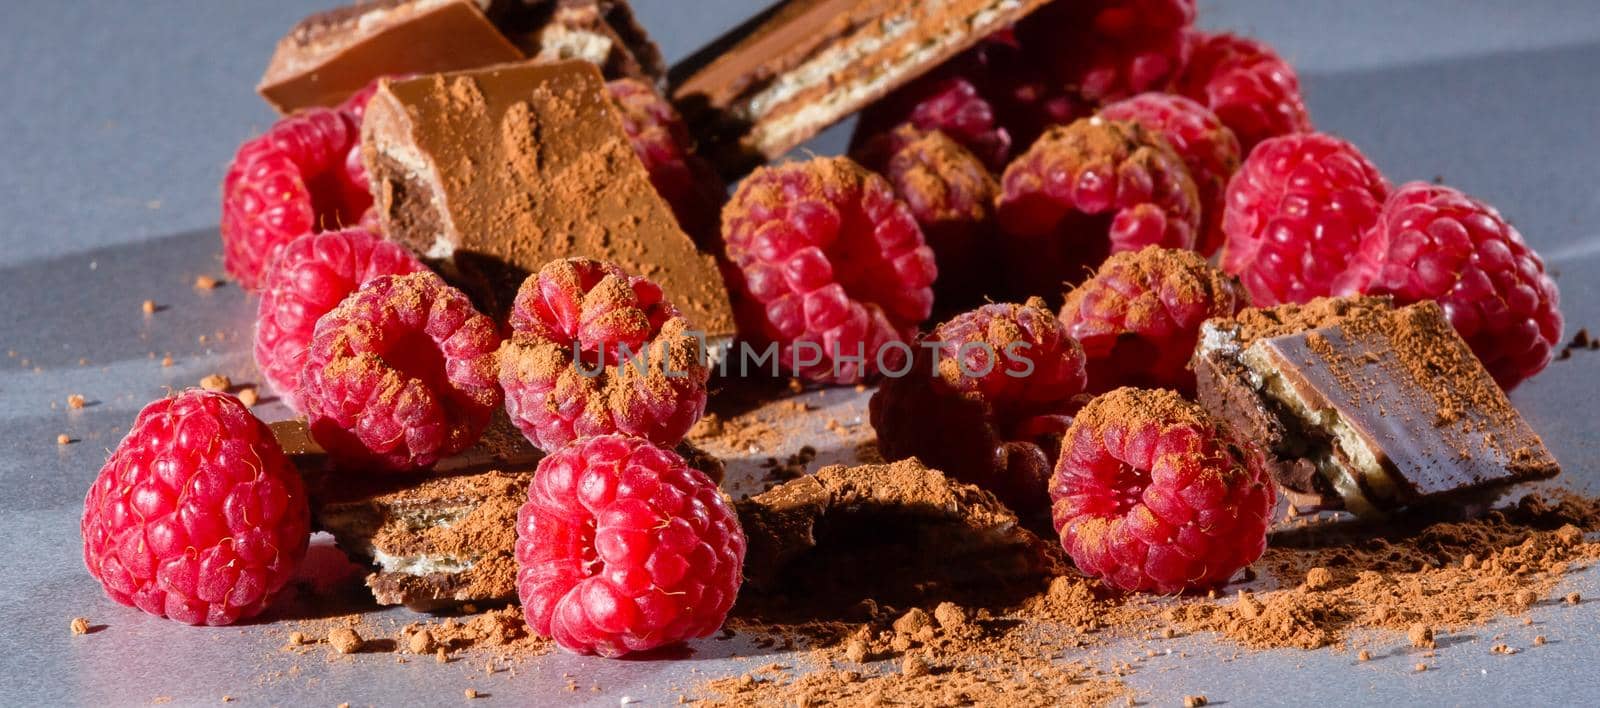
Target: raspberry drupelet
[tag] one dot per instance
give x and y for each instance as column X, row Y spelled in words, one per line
column 1104, row 50
column 1250, row 88
column 400, row 374
column 1295, row 215
column 622, row 548
column 1208, row 148
column 294, row 179
column 1085, row 191
column 948, row 103
column 1154, row 495
column 594, row 350
column 951, row 195
column 985, row 397
column 1139, row 317
column 197, row 515
column 660, row 139
column 1432, row 242
column 826, row 263
column 310, row 277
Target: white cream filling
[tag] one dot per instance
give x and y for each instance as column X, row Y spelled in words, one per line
column 420, row 564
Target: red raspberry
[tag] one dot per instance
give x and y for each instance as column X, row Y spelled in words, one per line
column 310, row 277
column 197, row 515
column 1208, row 149
column 356, row 108
column 942, row 102
column 1139, row 317
column 828, row 263
column 292, row 180
column 400, row 374
column 1295, row 214
column 1085, row 191
column 950, row 194
column 622, row 547
column 1104, row 50
column 1154, row 495
column 1252, row 89
column 569, row 368
column 985, row 396
column 659, row 138
column 1432, row 242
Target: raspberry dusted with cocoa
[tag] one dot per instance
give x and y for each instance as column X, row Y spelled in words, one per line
column 985, row 396
column 1295, row 215
column 659, row 138
column 400, row 374
column 950, row 194
column 310, row 277
column 946, row 102
column 294, row 179
column 1154, row 495
column 594, row 350
column 829, row 264
column 1138, row 318
column 1104, row 50
column 1208, row 148
column 197, row 515
column 1087, row 190
column 1252, row 89
column 622, row 547
column 1433, row 242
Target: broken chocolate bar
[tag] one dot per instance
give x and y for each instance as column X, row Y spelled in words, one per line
column 1365, row 406
column 900, row 533
column 781, row 78
column 332, row 54
column 490, row 174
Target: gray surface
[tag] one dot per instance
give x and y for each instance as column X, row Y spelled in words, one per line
column 120, row 117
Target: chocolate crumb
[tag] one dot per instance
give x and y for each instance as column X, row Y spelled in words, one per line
column 248, row 396
column 1539, row 640
column 1364, row 655
column 912, row 622
column 440, row 656
column 1420, row 667
column 166, row 361
column 1526, row 598
column 470, row 693
column 63, row 439
column 914, row 666
column 1318, row 578
column 421, row 642
column 1194, row 701
column 296, row 639
column 856, row 651
column 1503, row 649
column 345, row 640
column 149, row 306
column 205, row 282
column 227, row 698
column 1574, row 598
column 951, row 616
column 80, row 625
column 75, row 401
column 216, row 382
column 1421, row 636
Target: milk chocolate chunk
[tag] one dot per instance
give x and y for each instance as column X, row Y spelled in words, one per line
column 803, row 65
column 1375, row 407
column 490, row 174
column 601, row 32
column 332, row 54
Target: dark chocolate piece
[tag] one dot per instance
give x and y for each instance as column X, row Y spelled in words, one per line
column 490, row 174
column 1387, row 406
column 802, row 66
column 601, row 32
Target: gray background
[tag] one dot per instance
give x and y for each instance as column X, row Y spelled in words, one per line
column 119, row 118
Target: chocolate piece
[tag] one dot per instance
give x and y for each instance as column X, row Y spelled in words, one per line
column 779, row 79
column 490, row 174
column 330, row 55
column 601, row 32
column 1388, row 408
column 898, row 533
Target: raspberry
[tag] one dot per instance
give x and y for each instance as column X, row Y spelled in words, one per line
column 828, row 264
column 1252, row 89
column 292, row 180
column 1139, row 317
column 1104, row 50
column 197, row 515
column 1208, row 149
column 985, row 397
column 1154, row 495
column 949, row 193
column 311, row 276
column 621, row 547
column 569, row 371
column 1085, row 191
column 943, row 102
column 400, row 374
column 1295, row 214
column 1432, row 242
column 659, row 138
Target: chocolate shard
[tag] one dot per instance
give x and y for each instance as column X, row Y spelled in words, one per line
column 1369, row 406
column 898, row 533
column 490, row 174
column 803, row 65
column 601, row 32
column 332, row 54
